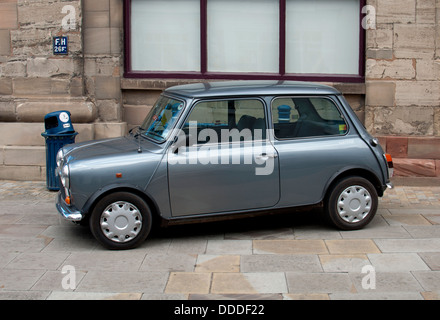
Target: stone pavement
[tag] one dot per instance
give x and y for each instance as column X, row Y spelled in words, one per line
column 274, row 257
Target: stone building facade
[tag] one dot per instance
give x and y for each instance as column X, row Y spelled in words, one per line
column 398, row 100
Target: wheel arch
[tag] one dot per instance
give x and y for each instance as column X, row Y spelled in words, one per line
column 355, row 172
column 93, row 201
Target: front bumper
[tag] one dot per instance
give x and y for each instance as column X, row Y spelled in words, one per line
column 68, row 213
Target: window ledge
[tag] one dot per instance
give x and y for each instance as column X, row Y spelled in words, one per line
column 162, row 84
column 153, row 84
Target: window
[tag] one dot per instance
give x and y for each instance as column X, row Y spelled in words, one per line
column 243, row 36
column 299, row 117
column 318, row 40
column 226, row 120
column 165, row 35
column 321, row 36
column 161, row 118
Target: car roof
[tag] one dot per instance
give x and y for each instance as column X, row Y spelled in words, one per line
column 254, row 88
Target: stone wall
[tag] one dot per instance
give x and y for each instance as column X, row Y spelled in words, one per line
column 403, row 83
column 34, row 81
column 399, row 102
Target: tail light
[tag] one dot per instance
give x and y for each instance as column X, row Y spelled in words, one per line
column 390, row 164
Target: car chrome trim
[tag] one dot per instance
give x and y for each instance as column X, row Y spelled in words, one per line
column 68, row 213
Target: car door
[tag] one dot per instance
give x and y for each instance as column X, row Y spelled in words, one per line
column 226, row 162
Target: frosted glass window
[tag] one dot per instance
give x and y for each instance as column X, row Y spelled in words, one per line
column 165, row 35
column 317, row 40
column 322, row 36
column 243, row 36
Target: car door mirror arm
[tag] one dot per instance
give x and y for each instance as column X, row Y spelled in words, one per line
column 181, row 141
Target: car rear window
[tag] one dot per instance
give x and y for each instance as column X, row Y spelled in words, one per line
column 300, row 117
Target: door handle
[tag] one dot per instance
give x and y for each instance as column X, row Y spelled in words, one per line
column 265, row 156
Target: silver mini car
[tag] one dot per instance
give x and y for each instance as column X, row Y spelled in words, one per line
column 212, row 150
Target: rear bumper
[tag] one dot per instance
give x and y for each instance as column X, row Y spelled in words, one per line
column 67, row 212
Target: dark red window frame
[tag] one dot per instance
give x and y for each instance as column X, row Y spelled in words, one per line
column 205, row 74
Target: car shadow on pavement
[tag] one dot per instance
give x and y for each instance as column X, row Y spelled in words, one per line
column 276, row 224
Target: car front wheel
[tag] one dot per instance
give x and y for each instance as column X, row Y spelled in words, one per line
column 121, row 220
column 352, row 203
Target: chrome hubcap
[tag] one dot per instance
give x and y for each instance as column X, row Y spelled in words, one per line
column 354, row 204
column 121, row 221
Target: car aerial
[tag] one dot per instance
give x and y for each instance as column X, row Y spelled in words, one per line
column 223, row 149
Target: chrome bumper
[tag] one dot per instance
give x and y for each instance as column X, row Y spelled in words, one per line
column 68, row 213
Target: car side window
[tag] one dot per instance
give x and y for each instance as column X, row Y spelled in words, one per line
column 234, row 120
column 299, row 117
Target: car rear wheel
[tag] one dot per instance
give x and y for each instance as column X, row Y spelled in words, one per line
column 121, row 220
column 352, row 203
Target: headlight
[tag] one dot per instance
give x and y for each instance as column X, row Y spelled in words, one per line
column 65, row 176
column 59, row 158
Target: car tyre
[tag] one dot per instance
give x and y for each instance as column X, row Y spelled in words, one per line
column 120, row 221
column 352, row 203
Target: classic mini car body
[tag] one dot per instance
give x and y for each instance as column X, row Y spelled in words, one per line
column 212, row 150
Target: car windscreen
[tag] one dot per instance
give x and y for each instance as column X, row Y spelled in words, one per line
column 162, row 118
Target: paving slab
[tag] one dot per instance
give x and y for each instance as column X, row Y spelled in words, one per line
column 37, row 261
column 312, row 283
column 187, row 245
column 217, row 263
column 280, row 233
column 11, row 279
column 178, row 262
column 69, row 245
column 343, row 262
column 406, row 220
column 432, row 218
column 229, row 247
column 165, row 296
column 280, row 263
column 62, row 295
column 378, row 296
column 24, row 295
column 424, row 232
column 386, row 282
column 350, row 246
column 289, row 247
column 249, row 283
column 123, row 282
column 431, row 295
column 124, row 261
column 311, row 296
column 432, row 259
column 430, row 281
column 316, row 232
column 35, row 244
column 189, row 282
column 6, row 257
column 57, row 281
column 290, row 257
column 397, row 262
column 408, row 245
column 21, row 230
column 387, row 232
